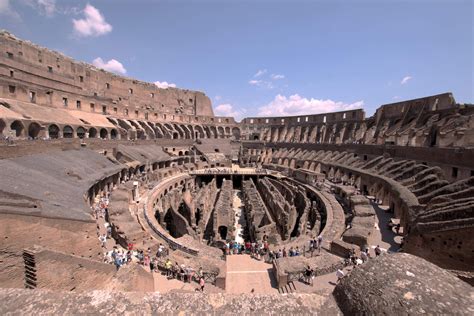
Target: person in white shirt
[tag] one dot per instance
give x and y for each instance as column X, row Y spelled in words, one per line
column 339, row 274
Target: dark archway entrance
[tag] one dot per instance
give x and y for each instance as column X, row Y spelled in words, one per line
column 68, row 132
column 2, row 126
column 103, row 133
column 18, row 127
column 222, row 232
column 81, row 132
column 33, row 130
column 53, row 131
column 113, row 134
column 92, row 132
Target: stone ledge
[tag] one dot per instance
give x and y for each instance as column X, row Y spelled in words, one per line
column 39, row 302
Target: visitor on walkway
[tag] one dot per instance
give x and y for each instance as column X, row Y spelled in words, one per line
column 168, row 266
column 320, row 243
column 364, row 255
column 103, row 240
column 339, row 274
column 308, row 274
column 378, row 251
column 201, row 283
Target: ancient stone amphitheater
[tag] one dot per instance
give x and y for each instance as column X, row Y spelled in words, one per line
column 177, row 176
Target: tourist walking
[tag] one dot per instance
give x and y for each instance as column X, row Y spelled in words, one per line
column 339, row 274
column 201, row 283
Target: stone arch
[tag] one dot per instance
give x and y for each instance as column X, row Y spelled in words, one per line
column 104, row 133
column 68, row 132
column 187, row 133
column 92, row 132
column 208, row 131
column 179, row 130
column 34, row 130
column 53, row 131
column 2, row 126
column 222, row 232
column 147, row 129
column 113, row 133
column 81, row 132
column 164, row 131
column 18, row 127
column 191, row 129
column 199, row 131
column 214, row 131
column 220, row 131
column 236, row 133
column 227, row 130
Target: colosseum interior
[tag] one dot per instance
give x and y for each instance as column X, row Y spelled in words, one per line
column 246, row 207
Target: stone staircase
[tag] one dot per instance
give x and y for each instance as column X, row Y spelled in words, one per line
column 30, row 269
column 288, row 288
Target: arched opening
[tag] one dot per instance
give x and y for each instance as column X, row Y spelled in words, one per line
column 175, row 135
column 220, row 131
column 236, row 133
column 81, row 132
column 53, row 131
column 223, row 232
column 198, row 216
column 2, row 126
column 103, row 133
column 433, row 137
column 113, row 134
column 199, row 132
column 92, row 132
column 68, row 132
column 255, row 137
column 171, row 224
column 18, row 127
column 33, row 130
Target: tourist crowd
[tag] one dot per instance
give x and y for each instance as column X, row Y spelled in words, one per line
column 132, row 255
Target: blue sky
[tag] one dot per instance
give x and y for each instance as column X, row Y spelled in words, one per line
column 266, row 57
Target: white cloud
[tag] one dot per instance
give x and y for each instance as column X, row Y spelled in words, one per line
column 227, row 109
column 112, row 65
column 255, row 82
column 396, row 97
column 164, row 85
column 7, row 10
column 261, row 83
column 297, row 105
column 48, row 7
column 260, row 72
column 93, row 24
column 277, row 77
column 217, row 98
column 405, row 79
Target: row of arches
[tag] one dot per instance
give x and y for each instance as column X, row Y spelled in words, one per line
column 125, row 129
column 54, row 131
column 134, row 129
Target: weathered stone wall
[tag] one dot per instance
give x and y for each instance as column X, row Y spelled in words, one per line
column 35, row 68
column 434, row 121
column 20, row 232
column 224, row 213
column 59, row 271
column 257, row 215
column 104, row 302
column 283, row 214
column 399, row 284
